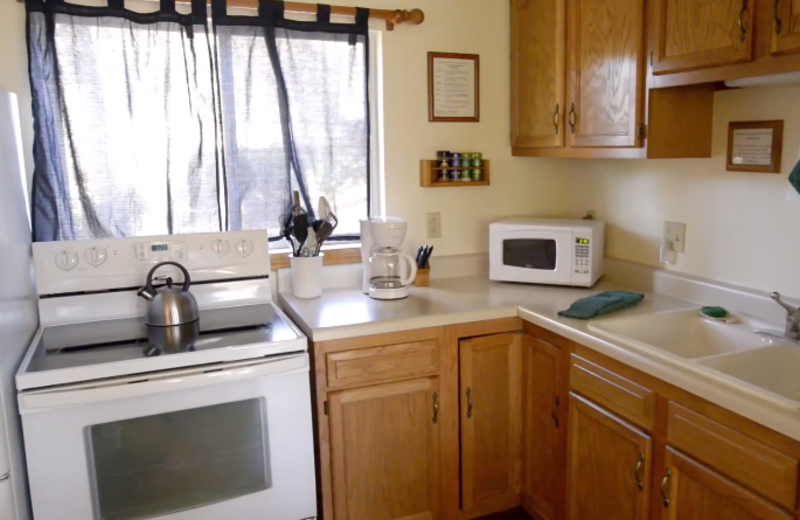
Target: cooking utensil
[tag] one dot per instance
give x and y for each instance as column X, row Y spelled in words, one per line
column 172, row 317
column 323, row 208
column 299, row 223
column 419, row 256
column 426, row 256
column 325, row 231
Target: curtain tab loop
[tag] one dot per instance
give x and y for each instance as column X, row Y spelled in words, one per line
column 270, row 10
column 200, row 11
column 219, row 9
column 362, row 17
column 323, row 13
column 116, row 5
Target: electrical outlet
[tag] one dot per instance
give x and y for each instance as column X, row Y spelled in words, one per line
column 676, row 231
column 435, row 225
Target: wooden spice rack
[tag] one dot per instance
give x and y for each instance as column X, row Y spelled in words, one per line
column 429, row 175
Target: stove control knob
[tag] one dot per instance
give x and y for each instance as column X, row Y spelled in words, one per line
column 244, row 247
column 66, row 260
column 220, row 247
column 96, row 256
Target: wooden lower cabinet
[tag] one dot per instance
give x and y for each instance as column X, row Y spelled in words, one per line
column 385, row 451
column 543, row 429
column 608, row 467
column 693, row 491
column 491, row 417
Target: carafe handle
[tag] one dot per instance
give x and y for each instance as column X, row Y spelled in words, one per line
column 412, row 265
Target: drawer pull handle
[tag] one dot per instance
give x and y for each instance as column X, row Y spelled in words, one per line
column 435, row 408
column 742, row 28
column 555, row 117
column 778, row 22
column 637, row 472
column 469, row 403
column 664, row 484
column 556, row 403
column 572, row 118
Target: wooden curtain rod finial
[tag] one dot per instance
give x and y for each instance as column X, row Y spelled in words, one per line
column 414, row 17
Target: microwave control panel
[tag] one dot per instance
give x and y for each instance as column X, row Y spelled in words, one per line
column 582, row 256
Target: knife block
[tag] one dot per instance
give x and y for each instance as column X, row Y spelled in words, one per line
column 423, row 278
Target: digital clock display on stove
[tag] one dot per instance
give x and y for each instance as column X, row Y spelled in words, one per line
column 157, row 248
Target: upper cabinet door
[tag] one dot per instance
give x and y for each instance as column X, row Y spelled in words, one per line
column 786, row 26
column 606, row 50
column 692, row 34
column 538, row 60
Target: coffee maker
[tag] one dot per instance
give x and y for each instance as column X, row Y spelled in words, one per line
column 388, row 271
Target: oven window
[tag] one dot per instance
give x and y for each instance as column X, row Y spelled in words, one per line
column 530, row 253
column 152, row 466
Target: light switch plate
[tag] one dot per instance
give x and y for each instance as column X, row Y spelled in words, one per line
column 676, row 232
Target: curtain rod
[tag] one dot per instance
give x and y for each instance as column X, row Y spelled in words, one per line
column 398, row 16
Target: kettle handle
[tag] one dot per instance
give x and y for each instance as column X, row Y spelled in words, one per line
column 187, row 281
column 412, row 264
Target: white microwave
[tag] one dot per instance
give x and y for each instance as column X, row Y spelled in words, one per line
column 546, row 251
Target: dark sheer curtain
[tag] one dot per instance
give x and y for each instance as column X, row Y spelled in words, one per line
column 295, row 104
column 126, row 133
column 151, row 124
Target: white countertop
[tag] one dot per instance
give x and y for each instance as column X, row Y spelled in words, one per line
column 347, row 313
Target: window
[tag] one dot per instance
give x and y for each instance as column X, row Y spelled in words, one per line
column 162, row 123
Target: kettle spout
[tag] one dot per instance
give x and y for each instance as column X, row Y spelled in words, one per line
column 145, row 293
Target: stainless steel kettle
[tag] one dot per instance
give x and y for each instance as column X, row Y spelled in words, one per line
column 172, row 318
column 169, row 306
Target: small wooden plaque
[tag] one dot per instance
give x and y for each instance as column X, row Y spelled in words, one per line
column 755, row 146
column 454, row 88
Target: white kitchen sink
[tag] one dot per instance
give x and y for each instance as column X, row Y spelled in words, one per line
column 775, row 369
column 684, row 333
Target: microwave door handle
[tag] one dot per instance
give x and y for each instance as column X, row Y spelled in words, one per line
column 86, row 394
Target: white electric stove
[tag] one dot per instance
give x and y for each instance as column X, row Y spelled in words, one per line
column 220, row 430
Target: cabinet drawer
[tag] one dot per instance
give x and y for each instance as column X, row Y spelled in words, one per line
column 368, row 365
column 622, row 396
column 745, row 460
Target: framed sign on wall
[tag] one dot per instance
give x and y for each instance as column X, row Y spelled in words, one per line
column 755, row 146
column 454, row 88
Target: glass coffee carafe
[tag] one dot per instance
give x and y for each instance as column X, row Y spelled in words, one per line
column 391, row 271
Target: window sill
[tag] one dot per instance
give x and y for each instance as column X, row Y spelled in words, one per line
column 334, row 255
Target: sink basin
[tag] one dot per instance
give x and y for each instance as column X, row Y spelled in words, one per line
column 774, row 369
column 681, row 333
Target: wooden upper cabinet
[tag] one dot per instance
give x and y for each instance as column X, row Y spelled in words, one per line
column 538, row 59
column 692, row 34
column 543, row 429
column 786, row 26
column 491, row 416
column 606, row 63
column 609, row 466
column 693, row 491
column 385, row 451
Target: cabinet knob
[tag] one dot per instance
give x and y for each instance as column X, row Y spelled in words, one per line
column 469, row 403
column 638, row 472
column 556, row 118
column 435, row 408
column 664, row 486
column 572, row 118
column 742, row 28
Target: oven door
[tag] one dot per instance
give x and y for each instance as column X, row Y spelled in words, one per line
column 532, row 256
column 231, row 443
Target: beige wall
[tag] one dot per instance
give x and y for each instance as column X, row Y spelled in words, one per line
column 742, row 228
column 520, row 186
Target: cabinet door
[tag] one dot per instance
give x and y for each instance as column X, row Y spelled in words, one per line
column 786, row 26
column 538, row 38
column 608, row 467
column 606, row 49
column 699, row 35
column 543, row 434
column 693, row 491
column 491, row 420
column 385, row 451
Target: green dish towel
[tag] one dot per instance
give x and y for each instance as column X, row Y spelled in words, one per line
column 794, row 177
column 601, row 304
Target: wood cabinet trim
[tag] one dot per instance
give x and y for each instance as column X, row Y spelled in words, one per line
column 743, row 459
column 380, row 340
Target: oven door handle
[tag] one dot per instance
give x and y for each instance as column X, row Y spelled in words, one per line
column 140, row 386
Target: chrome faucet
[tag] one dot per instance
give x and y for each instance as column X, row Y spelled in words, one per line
column 792, row 318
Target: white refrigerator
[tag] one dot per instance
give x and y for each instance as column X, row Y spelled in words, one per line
column 18, row 310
